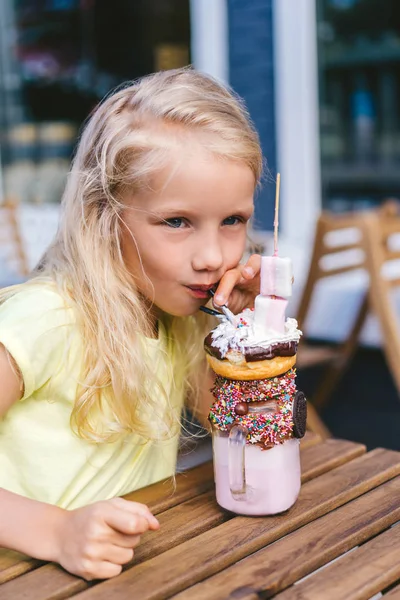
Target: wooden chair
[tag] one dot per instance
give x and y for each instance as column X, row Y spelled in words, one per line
column 12, row 252
column 375, row 248
column 339, row 247
column 382, row 248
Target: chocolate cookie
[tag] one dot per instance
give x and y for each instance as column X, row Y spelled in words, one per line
column 299, row 415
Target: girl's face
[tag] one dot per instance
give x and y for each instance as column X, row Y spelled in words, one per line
column 189, row 230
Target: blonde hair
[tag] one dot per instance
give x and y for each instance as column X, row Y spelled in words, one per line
column 124, row 143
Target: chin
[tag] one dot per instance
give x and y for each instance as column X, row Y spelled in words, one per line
column 181, row 311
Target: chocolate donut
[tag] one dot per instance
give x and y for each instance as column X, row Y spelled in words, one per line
column 255, row 353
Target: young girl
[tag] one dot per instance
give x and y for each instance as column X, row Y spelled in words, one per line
column 102, row 347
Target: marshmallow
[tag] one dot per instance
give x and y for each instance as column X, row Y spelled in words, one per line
column 269, row 315
column 276, row 276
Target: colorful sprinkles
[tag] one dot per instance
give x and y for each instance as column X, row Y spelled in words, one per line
column 264, row 428
column 242, row 323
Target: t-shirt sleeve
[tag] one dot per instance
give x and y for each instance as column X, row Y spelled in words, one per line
column 34, row 329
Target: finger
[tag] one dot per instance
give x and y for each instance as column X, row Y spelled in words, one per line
column 124, row 541
column 101, row 570
column 116, row 554
column 226, row 285
column 237, row 302
column 133, row 507
column 126, row 522
column 252, row 266
column 136, row 508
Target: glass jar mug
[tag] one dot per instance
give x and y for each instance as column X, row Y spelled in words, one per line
column 252, row 480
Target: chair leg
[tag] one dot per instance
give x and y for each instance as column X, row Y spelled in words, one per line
column 315, row 423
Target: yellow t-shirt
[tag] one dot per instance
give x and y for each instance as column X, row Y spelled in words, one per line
column 40, row 456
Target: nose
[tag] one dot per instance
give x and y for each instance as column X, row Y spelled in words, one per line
column 208, row 254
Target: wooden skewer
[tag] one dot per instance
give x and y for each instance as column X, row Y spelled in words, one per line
column 276, row 219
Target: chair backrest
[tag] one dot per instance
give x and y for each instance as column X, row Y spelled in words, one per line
column 12, row 252
column 369, row 241
column 339, row 247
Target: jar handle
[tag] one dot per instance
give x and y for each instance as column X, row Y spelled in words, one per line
column 236, row 462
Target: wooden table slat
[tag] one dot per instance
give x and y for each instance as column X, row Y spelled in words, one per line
column 178, row 524
column 275, row 567
column 168, row 493
column 13, row 564
column 331, row 454
column 310, row 439
column 224, row 545
column 357, row 576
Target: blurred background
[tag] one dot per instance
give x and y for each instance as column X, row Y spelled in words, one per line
column 321, row 79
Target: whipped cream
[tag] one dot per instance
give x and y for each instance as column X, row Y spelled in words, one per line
column 228, row 336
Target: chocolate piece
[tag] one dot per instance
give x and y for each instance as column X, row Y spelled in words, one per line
column 254, row 353
column 241, row 408
column 281, row 349
column 210, row 349
column 299, row 415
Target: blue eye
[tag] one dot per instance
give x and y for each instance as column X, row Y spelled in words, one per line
column 175, row 222
column 232, row 220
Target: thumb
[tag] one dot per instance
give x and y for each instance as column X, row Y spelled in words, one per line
column 136, row 508
column 126, row 522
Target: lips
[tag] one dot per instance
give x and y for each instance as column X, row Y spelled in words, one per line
column 202, row 288
column 200, row 291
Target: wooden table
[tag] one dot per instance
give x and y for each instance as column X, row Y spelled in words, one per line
column 348, row 508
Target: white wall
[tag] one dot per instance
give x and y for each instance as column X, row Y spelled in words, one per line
column 297, row 128
column 209, row 37
column 336, row 301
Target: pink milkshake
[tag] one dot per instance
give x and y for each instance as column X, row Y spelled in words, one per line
column 271, row 478
column 258, row 415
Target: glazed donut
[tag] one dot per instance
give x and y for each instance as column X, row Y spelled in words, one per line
column 246, row 371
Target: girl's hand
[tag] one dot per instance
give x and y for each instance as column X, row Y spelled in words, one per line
column 96, row 540
column 239, row 286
